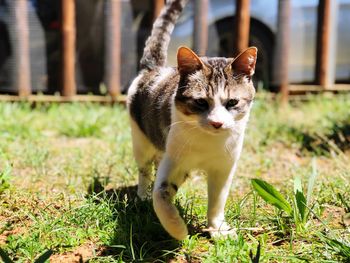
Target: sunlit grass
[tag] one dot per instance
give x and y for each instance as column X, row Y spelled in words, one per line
column 67, row 179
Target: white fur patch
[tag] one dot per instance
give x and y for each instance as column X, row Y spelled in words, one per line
column 133, row 88
column 164, row 74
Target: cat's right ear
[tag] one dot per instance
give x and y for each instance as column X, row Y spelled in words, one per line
column 245, row 62
column 188, row 61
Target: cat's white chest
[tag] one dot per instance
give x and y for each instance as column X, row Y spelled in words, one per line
column 195, row 149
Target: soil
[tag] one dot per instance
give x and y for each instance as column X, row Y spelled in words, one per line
column 80, row 254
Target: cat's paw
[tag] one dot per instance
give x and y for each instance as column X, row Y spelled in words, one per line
column 181, row 233
column 223, row 230
column 168, row 215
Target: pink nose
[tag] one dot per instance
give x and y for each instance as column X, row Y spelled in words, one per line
column 216, row 124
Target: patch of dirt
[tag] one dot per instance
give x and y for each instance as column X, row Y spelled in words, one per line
column 3, row 238
column 283, row 160
column 333, row 215
column 274, row 165
column 80, row 254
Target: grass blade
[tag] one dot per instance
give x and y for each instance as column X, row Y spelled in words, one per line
column 131, row 244
column 337, row 246
column 311, row 182
column 256, row 258
column 344, row 203
column 271, row 195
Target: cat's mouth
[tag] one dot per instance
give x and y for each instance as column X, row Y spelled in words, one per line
column 217, row 131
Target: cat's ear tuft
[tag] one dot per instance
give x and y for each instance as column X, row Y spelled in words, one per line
column 245, row 62
column 188, row 61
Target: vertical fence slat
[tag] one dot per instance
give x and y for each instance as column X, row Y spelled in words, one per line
column 200, row 27
column 322, row 41
column 68, row 47
column 157, row 7
column 22, row 57
column 325, row 47
column 241, row 26
column 280, row 70
column 113, row 47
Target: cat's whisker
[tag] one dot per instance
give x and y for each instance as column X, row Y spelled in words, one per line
column 184, row 146
column 185, row 143
column 181, row 122
column 236, row 77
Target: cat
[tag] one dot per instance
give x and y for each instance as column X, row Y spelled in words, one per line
column 186, row 119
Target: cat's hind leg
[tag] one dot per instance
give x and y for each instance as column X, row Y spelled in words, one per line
column 168, row 180
column 144, row 153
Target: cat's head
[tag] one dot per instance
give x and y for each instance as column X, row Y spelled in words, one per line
column 215, row 93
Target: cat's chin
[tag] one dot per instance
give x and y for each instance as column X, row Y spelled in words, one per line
column 217, row 132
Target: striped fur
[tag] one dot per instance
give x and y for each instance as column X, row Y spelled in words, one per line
column 155, row 52
column 188, row 118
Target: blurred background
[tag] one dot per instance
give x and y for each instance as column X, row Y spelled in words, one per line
column 136, row 17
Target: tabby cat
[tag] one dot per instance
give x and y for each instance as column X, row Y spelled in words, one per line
column 189, row 118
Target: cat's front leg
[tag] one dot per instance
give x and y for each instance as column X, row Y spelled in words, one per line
column 168, row 180
column 219, row 183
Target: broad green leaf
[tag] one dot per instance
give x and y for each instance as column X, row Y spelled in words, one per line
column 297, row 185
column 300, row 199
column 271, row 195
column 301, row 204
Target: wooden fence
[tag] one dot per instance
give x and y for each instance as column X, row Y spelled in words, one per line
column 324, row 80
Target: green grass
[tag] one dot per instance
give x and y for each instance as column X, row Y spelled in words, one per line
column 67, row 183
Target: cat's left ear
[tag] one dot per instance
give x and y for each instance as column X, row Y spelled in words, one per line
column 187, row 61
column 245, row 62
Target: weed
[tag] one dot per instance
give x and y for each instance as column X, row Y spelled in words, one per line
column 299, row 209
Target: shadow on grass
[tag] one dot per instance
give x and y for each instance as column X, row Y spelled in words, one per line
column 138, row 235
column 335, row 140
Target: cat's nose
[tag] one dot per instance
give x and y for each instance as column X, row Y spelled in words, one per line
column 216, row 124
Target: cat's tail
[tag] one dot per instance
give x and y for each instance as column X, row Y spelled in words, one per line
column 155, row 51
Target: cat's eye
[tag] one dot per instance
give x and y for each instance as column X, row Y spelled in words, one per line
column 202, row 103
column 231, row 103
